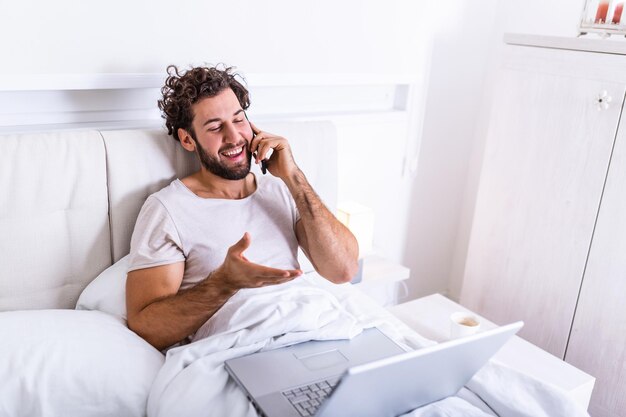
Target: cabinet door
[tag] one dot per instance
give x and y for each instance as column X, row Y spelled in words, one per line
column 598, row 341
column 544, row 166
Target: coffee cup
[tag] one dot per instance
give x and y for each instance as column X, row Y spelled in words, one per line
column 463, row 324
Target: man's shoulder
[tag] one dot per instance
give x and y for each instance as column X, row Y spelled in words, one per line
column 271, row 184
column 273, row 191
column 166, row 198
column 173, row 190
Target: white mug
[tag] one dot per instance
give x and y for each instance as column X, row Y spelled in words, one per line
column 463, row 324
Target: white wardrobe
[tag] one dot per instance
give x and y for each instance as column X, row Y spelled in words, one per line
column 548, row 241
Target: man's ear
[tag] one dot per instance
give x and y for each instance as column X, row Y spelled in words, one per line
column 186, row 140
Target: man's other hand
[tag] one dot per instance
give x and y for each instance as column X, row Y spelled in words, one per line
column 237, row 272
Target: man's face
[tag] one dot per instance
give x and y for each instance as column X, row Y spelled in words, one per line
column 222, row 134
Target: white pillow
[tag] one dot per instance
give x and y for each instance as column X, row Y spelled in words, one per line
column 73, row 363
column 107, row 293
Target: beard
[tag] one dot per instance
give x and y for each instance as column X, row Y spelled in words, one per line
column 217, row 167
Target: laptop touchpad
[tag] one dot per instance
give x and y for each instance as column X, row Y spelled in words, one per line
column 321, row 360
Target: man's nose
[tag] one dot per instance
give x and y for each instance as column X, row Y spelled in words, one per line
column 231, row 134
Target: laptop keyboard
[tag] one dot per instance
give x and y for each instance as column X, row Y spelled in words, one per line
column 307, row 399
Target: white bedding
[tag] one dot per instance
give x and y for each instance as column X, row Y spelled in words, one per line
column 66, row 363
column 193, row 381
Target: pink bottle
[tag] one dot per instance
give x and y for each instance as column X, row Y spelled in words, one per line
column 603, row 10
column 617, row 13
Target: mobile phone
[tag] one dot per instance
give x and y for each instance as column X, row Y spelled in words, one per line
column 263, row 161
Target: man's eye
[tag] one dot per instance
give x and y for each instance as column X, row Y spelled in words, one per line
column 214, row 129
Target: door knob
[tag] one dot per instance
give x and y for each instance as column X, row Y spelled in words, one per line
column 603, row 100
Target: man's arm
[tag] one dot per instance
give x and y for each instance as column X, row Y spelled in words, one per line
column 329, row 245
column 162, row 315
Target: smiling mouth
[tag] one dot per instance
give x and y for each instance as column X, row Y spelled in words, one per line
column 234, row 152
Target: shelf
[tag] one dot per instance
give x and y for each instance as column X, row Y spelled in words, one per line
column 587, row 43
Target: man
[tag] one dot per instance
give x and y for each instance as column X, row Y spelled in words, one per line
column 187, row 250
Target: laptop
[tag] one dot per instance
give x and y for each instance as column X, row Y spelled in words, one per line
column 369, row 375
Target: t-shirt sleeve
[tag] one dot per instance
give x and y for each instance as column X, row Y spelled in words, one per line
column 155, row 240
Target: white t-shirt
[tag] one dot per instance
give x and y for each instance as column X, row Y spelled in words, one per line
column 176, row 225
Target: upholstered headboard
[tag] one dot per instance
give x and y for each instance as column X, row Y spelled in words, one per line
column 69, row 200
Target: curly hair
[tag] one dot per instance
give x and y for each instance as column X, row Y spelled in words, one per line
column 184, row 89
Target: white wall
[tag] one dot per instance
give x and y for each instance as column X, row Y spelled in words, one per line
column 259, row 37
column 269, row 36
column 422, row 220
column 554, row 18
column 461, row 52
column 465, row 55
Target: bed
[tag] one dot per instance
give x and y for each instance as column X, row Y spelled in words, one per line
column 68, row 205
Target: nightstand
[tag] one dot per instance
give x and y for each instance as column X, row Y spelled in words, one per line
column 430, row 316
column 382, row 279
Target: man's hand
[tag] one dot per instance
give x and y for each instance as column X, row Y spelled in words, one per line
column 237, row 272
column 281, row 163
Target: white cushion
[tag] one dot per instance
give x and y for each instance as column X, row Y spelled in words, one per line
column 56, row 188
column 73, row 363
column 107, row 293
column 53, row 217
column 140, row 162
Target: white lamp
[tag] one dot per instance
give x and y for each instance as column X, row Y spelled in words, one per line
column 360, row 220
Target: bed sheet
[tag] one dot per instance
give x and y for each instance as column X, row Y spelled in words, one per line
column 193, row 380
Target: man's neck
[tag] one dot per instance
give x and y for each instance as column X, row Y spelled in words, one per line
column 207, row 185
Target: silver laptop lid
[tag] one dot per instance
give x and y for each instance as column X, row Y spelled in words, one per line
column 396, row 385
column 276, row 370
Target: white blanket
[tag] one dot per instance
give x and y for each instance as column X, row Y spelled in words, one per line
column 193, row 381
